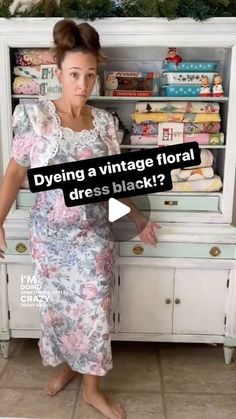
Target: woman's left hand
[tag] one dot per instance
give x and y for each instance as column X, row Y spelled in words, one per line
column 147, row 230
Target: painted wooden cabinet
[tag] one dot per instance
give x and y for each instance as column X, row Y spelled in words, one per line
column 178, row 301
column 22, row 298
column 184, row 290
column 145, row 297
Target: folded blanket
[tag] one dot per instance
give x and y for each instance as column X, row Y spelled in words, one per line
column 152, row 128
column 34, row 71
column 212, row 139
column 25, row 86
column 208, row 127
column 144, row 139
column 183, row 107
column 174, row 117
column 203, row 185
column 178, row 175
column 144, row 129
column 206, row 159
column 206, row 139
column 34, row 56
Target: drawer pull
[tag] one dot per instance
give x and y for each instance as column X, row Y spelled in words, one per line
column 170, row 203
column 138, row 249
column 177, row 301
column 215, row 251
column 168, row 301
column 21, row 247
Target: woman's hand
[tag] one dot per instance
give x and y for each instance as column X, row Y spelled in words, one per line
column 147, row 230
column 3, row 244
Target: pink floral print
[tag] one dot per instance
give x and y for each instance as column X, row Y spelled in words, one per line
column 73, row 257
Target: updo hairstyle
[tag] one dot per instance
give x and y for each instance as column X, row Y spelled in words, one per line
column 68, row 36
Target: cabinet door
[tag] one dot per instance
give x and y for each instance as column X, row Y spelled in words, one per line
column 145, row 300
column 200, row 298
column 24, row 313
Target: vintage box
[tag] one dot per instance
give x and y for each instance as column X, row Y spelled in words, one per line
column 131, row 83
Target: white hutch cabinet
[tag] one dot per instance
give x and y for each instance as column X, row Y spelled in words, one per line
column 184, row 290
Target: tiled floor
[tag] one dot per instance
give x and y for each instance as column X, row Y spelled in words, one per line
column 171, row 381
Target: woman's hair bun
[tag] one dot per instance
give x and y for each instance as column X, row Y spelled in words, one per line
column 66, row 35
column 89, row 36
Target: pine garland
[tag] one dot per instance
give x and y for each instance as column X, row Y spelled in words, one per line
column 4, row 8
column 141, row 8
column 96, row 9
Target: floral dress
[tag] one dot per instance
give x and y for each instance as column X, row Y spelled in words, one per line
column 73, row 254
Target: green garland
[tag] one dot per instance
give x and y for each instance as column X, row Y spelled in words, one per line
column 97, row 9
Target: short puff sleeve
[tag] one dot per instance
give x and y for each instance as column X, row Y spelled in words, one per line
column 23, row 136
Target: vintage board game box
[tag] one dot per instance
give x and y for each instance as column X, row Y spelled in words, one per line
column 131, row 83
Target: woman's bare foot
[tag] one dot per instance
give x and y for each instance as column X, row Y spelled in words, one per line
column 109, row 409
column 60, row 380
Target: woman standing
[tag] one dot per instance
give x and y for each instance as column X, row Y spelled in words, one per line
column 72, row 264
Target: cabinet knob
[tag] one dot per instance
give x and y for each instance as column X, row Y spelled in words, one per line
column 21, row 247
column 215, row 251
column 138, row 249
column 177, row 301
column 168, row 301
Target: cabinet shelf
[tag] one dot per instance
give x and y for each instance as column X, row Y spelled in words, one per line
column 139, row 99
column 213, row 147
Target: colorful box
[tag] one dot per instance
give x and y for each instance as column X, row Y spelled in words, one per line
column 131, row 83
column 181, row 90
column 191, row 66
column 186, row 78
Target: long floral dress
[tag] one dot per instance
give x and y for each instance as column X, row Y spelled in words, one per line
column 73, row 254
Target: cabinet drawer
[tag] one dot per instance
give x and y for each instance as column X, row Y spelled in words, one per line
column 175, row 250
column 179, row 203
column 157, row 203
column 18, row 247
column 25, row 199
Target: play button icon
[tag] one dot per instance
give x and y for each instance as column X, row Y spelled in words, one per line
column 107, row 218
column 116, row 210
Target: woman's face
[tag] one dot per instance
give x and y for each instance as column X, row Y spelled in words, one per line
column 78, row 76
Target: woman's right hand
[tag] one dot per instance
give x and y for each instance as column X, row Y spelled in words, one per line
column 3, row 243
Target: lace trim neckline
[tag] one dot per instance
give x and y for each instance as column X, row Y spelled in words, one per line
column 70, row 130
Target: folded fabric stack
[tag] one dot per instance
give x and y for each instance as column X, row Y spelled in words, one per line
column 28, row 71
column 145, row 133
column 199, row 178
column 166, row 123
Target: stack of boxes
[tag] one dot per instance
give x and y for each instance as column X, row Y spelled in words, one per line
column 187, row 78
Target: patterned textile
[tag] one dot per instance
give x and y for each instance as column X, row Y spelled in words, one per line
column 34, row 56
column 180, row 107
column 25, row 86
column 203, row 138
column 144, row 139
column 203, row 185
column 207, row 127
column 72, row 250
column 139, row 118
column 144, row 129
column 34, row 72
column 178, row 175
column 206, row 159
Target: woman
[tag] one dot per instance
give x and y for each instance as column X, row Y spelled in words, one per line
column 72, row 264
